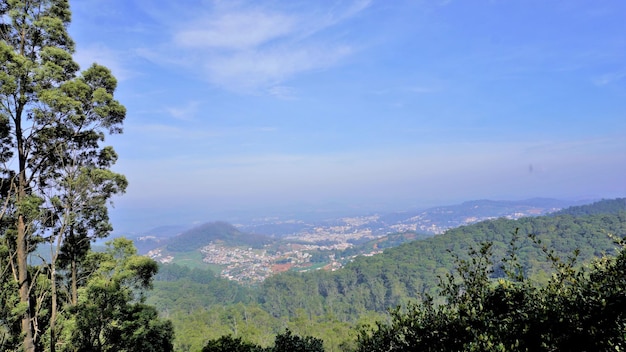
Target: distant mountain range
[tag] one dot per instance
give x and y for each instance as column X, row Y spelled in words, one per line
column 429, row 221
column 432, row 221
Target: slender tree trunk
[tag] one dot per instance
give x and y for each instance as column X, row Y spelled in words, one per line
column 74, row 282
column 24, row 284
column 22, row 236
column 53, row 308
column 74, row 273
column 54, row 254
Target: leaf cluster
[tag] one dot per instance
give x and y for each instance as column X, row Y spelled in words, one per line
column 284, row 342
column 110, row 314
column 580, row 309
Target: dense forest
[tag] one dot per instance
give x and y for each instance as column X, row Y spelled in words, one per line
column 332, row 305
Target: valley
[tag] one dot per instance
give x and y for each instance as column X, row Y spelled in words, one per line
column 335, row 305
column 268, row 246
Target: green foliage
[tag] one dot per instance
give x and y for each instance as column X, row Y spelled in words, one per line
column 288, row 342
column 578, row 310
column 192, row 289
column 55, row 177
column 11, row 311
column 230, row 344
column 252, row 324
column 388, row 241
column 284, row 342
column 110, row 315
column 606, row 206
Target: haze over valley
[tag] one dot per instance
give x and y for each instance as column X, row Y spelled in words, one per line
column 243, row 109
column 250, row 252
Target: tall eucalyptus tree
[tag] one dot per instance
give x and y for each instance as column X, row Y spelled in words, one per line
column 55, row 177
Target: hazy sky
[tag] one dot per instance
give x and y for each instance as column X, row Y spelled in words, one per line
column 260, row 106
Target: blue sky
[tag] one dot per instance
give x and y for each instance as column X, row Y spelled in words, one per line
column 258, row 107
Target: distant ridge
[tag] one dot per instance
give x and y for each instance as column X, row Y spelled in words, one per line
column 437, row 220
column 536, row 202
column 219, row 231
column 429, row 221
column 605, row 206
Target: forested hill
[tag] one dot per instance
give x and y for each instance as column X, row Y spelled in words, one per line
column 203, row 235
column 609, row 206
column 410, row 270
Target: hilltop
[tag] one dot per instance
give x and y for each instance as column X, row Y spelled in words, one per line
column 214, row 232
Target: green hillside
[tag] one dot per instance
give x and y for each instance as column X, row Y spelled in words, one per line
column 607, row 206
column 366, row 288
column 408, row 271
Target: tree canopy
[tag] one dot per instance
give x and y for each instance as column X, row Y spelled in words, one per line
column 332, row 305
column 56, row 180
column 580, row 309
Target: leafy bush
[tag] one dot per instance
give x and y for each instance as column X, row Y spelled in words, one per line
column 580, row 309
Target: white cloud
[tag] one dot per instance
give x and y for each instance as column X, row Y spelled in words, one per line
column 250, row 70
column 609, row 78
column 282, row 92
column 235, row 31
column 186, row 112
column 250, row 48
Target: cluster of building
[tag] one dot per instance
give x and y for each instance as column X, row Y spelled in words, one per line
column 157, row 254
column 249, row 265
column 334, row 237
